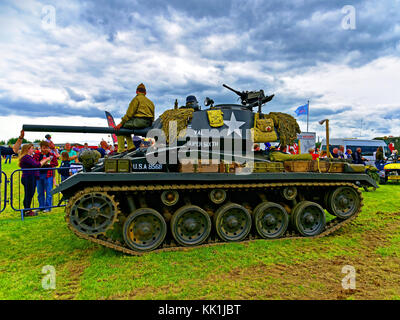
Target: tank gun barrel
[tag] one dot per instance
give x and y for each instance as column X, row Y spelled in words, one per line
column 240, row 94
column 76, row 129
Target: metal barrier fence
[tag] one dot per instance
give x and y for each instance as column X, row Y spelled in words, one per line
column 3, row 189
column 17, row 191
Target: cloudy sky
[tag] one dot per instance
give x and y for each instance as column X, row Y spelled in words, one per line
column 66, row 62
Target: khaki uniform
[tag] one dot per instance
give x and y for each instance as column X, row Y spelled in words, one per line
column 140, row 114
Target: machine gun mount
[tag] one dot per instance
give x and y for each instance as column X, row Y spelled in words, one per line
column 251, row 99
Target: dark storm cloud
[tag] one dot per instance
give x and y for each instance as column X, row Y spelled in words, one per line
column 316, row 113
column 101, row 97
column 393, row 114
column 299, row 33
column 43, row 109
column 74, row 96
column 384, row 130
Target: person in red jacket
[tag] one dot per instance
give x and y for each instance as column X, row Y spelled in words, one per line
column 26, row 161
column 314, row 155
column 45, row 181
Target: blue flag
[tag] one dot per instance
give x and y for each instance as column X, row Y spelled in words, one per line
column 302, row 110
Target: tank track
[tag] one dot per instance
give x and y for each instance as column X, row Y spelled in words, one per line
column 107, row 242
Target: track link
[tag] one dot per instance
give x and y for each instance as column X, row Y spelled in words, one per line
column 102, row 240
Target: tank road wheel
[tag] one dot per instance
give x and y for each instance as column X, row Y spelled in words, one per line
column 343, row 202
column 190, row 225
column 144, row 229
column 170, row 198
column 289, row 193
column 217, row 196
column 308, row 218
column 270, row 220
column 232, row 222
column 93, row 213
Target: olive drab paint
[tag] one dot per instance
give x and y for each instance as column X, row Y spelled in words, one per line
column 169, row 194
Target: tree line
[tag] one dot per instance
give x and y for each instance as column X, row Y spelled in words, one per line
column 12, row 141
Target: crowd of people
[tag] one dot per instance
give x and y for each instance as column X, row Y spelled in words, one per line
column 339, row 153
column 47, row 155
column 355, row 157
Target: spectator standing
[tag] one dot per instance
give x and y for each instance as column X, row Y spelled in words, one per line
column 103, row 150
column 379, row 154
column 48, row 139
column 391, row 147
column 29, row 177
column 8, row 156
column 72, row 154
column 109, row 149
column 341, row 152
column 348, row 154
column 45, row 181
column 314, row 155
column 395, row 155
column 73, row 158
column 335, row 153
column 85, row 148
column 65, row 163
column 4, row 151
column 357, row 157
column 52, row 145
column 379, row 159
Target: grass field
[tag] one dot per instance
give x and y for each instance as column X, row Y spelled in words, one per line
column 280, row 269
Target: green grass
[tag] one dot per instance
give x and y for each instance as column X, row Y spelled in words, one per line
column 289, row 269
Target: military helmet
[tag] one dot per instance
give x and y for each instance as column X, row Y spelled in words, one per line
column 192, row 102
column 141, row 88
column 191, row 99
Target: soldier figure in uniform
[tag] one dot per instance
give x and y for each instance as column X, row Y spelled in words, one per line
column 140, row 114
column 191, row 102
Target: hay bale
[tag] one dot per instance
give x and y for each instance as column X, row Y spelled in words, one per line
column 182, row 118
column 286, row 126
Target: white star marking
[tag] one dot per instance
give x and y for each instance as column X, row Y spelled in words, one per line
column 234, row 125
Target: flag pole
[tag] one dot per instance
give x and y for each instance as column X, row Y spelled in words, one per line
column 308, row 111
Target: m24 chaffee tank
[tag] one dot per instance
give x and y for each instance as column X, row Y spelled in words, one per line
column 171, row 195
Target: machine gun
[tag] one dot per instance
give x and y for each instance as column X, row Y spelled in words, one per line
column 251, row 99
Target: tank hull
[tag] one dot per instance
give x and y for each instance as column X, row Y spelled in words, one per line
column 171, row 211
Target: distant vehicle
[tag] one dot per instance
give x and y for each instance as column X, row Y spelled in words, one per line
column 368, row 147
column 389, row 170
